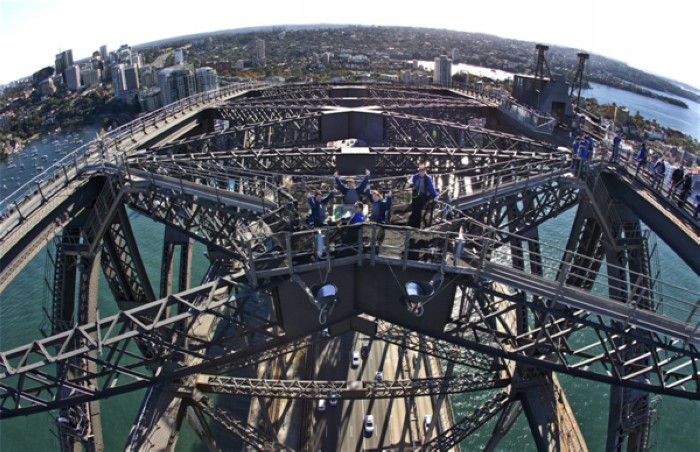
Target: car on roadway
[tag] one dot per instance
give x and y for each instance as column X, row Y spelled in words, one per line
column 369, row 424
column 364, row 351
column 379, row 377
column 322, row 405
column 355, row 362
column 427, row 419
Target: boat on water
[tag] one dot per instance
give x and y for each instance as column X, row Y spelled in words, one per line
column 11, row 165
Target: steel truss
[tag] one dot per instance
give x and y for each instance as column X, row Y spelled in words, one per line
column 459, row 111
column 388, row 161
column 670, row 363
column 249, row 435
column 232, row 190
column 261, row 126
column 316, row 389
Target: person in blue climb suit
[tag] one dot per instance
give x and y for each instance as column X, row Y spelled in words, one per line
column 423, row 191
column 351, row 193
column 379, row 207
column 318, row 208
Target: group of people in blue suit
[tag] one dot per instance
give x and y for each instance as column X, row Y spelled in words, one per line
column 379, row 204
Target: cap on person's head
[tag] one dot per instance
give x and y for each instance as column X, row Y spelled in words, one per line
column 359, row 205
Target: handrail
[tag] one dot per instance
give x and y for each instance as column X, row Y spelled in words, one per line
column 108, row 148
column 486, row 251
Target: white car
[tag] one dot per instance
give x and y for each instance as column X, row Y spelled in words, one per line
column 322, row 405
column 355, row 359
column 379, row 377
column 427, row 419
column 369, row 424
column 333, row 399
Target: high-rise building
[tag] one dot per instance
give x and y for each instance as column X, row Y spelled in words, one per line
column 175, row 82
column 260, row 52
column 442, row 75
column 148, row 77
column 149, row 99
column 72, row 77
column 104, row 56
column 90, row 76
column 125, row 81
column 64, row 60
column 124, row 55
column 118, row 80
column 131, row 75
column 456, row 55
column 207, row 79
column 179, row 56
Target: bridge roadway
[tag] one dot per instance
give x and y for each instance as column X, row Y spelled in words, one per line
column 399, row 419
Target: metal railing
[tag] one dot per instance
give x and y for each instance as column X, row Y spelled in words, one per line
column 290, row 252
column 537, row 121
column 111, row 147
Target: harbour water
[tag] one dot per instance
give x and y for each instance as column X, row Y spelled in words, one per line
column 21, row 318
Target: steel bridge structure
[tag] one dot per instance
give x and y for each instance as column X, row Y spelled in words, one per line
column 503, row 311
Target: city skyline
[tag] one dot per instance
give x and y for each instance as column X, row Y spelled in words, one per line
column 655, row 40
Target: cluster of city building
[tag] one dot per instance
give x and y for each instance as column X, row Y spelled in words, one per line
column 133, row 81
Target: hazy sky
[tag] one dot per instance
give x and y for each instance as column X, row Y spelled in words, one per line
column 658, row 37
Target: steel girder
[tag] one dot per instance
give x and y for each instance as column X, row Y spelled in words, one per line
column 518, row 212
column 29, row 387
column 315, row 389
column 455, row 111
column 409, row 130
column 225, row 228
column 448, row 439
column 388, row 162
column 398, row 130
column 252, row 436
column 241, row 115
column 245, row 338
column 122, row 264
column 370, row 91
column 296, row 131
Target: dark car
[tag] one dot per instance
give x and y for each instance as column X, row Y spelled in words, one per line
column 364, row 351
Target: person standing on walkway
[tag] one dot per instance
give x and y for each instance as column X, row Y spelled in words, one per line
column 423, row 190
column 676, row 178
column 575, row 153
column 318, row 208
column 589, row 148
column 380, row 207
column 616, row 149
column 659, row 174
column 642, row 158
column 686, row 185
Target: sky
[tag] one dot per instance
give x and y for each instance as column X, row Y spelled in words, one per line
column 656, row 37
